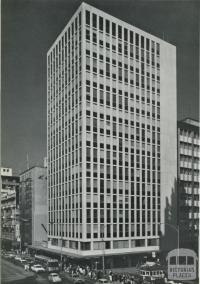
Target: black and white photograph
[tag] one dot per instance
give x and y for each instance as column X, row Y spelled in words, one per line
column 100, row 143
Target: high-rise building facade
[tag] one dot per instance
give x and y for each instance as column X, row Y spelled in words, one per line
column 188, row 186
column 111, row 136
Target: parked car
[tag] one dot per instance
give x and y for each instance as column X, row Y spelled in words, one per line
column 9, row 255
column 54, row 278
column 37, row 268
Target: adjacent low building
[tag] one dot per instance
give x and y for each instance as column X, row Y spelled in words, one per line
column 10, row 234
column 33, row 206
column 188, row 186
column 8, row 180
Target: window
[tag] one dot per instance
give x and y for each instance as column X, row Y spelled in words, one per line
column 120, row 32
column 147, row 44
column 113, row 29
column 101, row 23
column 137, row 39
column 85, row 246
column 142, row 41
column 125, row 34
column 107, row 99
column 94, row 20
column 87, row 35
column 94, row 37
column 120, row 48
column 87, row 15
column 182, row 260
column 131, row 37
column 107, row 26
column 190, row 260
column 157, row 48
column 101, row 97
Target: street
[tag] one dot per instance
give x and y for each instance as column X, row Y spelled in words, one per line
column 15, row 274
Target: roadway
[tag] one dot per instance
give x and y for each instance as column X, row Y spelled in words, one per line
column 12, row 273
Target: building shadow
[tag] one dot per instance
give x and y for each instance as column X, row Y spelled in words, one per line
column 169, row 227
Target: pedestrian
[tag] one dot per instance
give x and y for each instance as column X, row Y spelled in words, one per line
column 26, row 267
column 110, row 278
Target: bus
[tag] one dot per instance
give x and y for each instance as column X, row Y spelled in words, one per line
column 48, row 263
column 182, row 264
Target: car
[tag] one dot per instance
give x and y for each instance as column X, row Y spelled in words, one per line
column 102, row 281
column 23, row 261
column 9, row 255
column 79, row 281
column 18, row 257
column 37, row 268
column 6, row 255
column 54, row 278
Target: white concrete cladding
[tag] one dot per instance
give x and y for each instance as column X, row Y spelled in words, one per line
column 168, row 123
column 108, row 85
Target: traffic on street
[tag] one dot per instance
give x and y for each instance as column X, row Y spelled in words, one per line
column 25, row 269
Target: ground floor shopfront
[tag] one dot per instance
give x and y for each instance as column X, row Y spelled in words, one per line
column 96, row 262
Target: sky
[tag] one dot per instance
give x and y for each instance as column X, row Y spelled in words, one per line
column 29, row 27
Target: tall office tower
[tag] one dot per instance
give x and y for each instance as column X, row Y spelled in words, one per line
column 111, row 136
column 188, row 173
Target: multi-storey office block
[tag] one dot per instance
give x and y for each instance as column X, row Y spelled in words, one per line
column 111, row 135
column 188, row 189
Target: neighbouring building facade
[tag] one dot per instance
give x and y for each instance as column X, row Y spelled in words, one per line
column 8, row 180
column 112, row 148
column 6, row 172
column 188, row 189
column 33, row 206
column 10, row 234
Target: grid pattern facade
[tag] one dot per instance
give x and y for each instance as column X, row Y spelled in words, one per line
column 188, row 168
column 65, row 135
column 103, row 136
